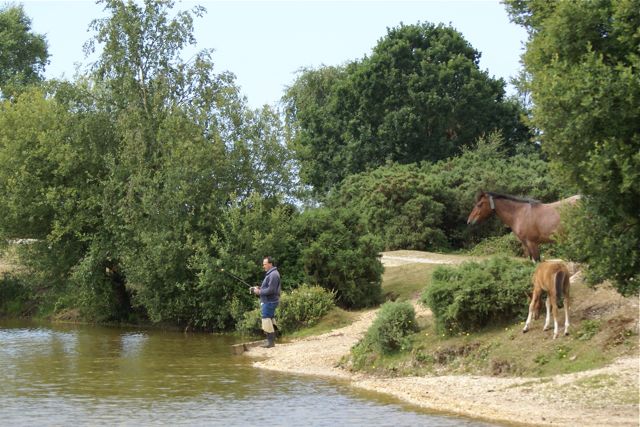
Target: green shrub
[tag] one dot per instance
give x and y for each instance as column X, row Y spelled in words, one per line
column 507, row 244
column 388, row 333
column 13, row 296
column 303, row 307
column 340, row 255
column 474, row 295
column 249, row 322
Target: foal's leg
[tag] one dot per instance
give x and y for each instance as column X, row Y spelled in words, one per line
column 547, row 320
column 534, row 297
column 554, row 309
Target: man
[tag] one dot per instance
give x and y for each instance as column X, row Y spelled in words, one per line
column 269, row 293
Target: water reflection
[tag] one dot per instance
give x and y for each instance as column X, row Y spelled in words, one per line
column 63, row 375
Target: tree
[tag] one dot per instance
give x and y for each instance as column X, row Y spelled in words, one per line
column 420, row 96
column 583, row 60
column 23, row 54
column 125, row 176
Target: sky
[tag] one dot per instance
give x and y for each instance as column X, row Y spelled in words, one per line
column 265, row 43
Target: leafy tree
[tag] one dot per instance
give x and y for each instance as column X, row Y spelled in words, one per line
column 50, row 179
column 187, row 146
column 583, row 60
column 419, row 96
column 23, row 54
column 128, row 176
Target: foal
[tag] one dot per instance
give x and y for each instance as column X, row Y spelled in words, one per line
column 552, row 278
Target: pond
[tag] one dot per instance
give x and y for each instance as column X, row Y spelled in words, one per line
column 53, row 374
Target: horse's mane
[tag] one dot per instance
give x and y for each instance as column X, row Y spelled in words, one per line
column 513, row 198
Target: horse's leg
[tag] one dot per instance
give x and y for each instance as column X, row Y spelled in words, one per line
column 547, row 321
column 566, row 309
column 525, row 249
column 534, row 297
column 534, row 252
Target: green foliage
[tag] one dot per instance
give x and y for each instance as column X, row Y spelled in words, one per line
column 594, row 236
column 389, row 333
column 474, row 295
column 583, row 61
column 403, row 204
column 506, row 245
column 133, row 178
column 339, row 255
column 588, row 329
column 249, row 322
column 13, row 296
column 426, row 207
column 23, row 54
column 420, row 96
column 303, row 307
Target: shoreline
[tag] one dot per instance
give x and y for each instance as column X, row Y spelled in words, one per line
column 561, row 400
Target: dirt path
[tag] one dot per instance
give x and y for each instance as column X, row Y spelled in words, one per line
column 564, row 400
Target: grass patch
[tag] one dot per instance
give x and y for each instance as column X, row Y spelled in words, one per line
column 406, row 282
column 597, row 381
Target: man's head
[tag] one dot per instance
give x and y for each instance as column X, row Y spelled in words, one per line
column 267, row 263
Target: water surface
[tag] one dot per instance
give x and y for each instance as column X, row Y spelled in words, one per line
column 90, row 375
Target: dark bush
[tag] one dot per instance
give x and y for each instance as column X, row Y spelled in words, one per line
column 339, row 255
column 13, row 296
column 474, row 295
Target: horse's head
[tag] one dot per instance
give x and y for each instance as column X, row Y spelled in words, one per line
column 482, row 209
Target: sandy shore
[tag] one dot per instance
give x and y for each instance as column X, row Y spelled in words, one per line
column 564, row 400
column 601, row 397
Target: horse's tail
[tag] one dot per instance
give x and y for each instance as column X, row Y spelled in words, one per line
column 559, row 279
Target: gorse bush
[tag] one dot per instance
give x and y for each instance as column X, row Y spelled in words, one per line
column 340, row 255
column 473, row 295
column 507, row 245
column 303, row 307
column 388, row 333
column 425, row 207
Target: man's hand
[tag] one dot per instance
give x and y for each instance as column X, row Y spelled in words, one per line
column 255, row 290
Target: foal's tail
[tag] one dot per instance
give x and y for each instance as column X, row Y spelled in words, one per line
column 559, row 279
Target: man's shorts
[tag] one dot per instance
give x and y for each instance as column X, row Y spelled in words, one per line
column 268, row 309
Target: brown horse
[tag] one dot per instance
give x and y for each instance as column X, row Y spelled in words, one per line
column 531, row 221
column 552, row 278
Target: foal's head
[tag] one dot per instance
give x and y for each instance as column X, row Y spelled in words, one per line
column 482, row 209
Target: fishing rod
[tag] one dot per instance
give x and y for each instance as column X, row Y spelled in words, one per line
column 222, row 270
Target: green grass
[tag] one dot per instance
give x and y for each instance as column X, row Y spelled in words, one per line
column 406, row 282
